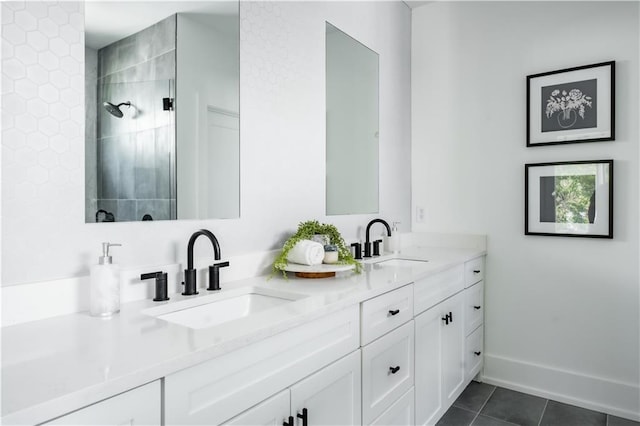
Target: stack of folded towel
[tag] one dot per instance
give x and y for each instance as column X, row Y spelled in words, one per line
column 306, row 252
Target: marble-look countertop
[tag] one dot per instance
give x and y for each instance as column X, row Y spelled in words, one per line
column 54, row 366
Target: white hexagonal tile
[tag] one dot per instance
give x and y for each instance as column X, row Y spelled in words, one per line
column 38, row 175
column 7, row 49
column 48, row 158
column 48, row 27
column 37, row 107
column 69, row 97
column 16, row 5
column 24, row 190
column 59, row 111
column 77, row 52
column 7, row 155
column 48, row 126
column 13, row 33
column 69, row 129
column 14, row 103
column 70, row 34
column 26, row 54
column 38, row 41
column 59, row 79
column 37, row 141
column 25, row 20
column 14, row 68
column 69, row 65
column 26, row 123
column 59, row 46
column 13, row 138
column 48, row 60
column 37, row 74
column 77, row 21
column 7, row 119
column 38, row 9
column 6, row 14
column 59, row 144
column 58, row 14
column 49, row 93
column 26, row 156
column 58, row 176
column 26, row 88
column 69, row 160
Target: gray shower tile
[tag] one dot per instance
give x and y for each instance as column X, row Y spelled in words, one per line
column 158, row 209
column 108, row 168
column 164, row 36
column 126, row 210
column 164, row 66
column 619, row 421
column 474, row 396
column 163, row 162
column 145, row 171
column 489, row 421
column 110, row 206
column 126, row 167
column 129, row 53
column 456, row 417
column 557, row 414
column 514, row 407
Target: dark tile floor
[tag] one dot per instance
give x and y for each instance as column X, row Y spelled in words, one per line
column 485, row 405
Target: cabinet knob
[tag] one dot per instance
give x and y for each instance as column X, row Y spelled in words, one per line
column 476, row 271
column 394, row 370
column 394, row 312
column 288, row 423
column 478, row 353
column 304, row 416
column 476, row 307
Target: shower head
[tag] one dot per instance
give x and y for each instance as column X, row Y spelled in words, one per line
column 115, row 109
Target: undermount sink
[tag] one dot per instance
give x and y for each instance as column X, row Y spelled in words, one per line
column 216, row 309
column 401, row 262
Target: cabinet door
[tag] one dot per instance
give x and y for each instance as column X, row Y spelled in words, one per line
column 331, row 396
column 428, row 368
column 272, row 412
column 140, row 406
column 453, row 341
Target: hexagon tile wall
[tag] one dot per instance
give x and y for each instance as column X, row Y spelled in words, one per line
column 42, row 115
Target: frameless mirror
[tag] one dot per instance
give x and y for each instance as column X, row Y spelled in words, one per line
column 352, row 125
column 162, row 110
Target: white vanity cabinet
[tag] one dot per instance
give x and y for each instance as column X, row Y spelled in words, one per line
column 439, row 353
column 387, row 352
column 139, row 406
column 217, row 390
column 330, row 396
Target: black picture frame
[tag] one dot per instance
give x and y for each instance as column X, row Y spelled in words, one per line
column 572, row 105
column 556, row 204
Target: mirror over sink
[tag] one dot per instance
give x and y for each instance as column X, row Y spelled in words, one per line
column 162, row 111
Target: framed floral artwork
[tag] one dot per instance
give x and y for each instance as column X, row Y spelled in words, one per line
column 572, row 105
column 569, row 199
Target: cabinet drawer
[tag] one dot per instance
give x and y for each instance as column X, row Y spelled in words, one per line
column 432, row 290
column 223, row 387
column 401, row 413
column 386, row 312
column 473, row 271
column 387, row 371
column 474, row 307
column 139, row 406
column 474, row 354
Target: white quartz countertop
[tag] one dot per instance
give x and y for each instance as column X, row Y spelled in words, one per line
column 54, row 366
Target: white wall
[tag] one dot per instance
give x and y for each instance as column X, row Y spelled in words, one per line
column 282, row 144
column 562, row 317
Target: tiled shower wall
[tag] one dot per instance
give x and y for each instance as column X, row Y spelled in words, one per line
column 135, row 154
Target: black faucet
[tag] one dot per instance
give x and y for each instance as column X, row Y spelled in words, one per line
column 190, row 286
column 367, row 243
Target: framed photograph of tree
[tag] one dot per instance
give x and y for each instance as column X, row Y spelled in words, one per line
column 572, row 105
column 569, row 199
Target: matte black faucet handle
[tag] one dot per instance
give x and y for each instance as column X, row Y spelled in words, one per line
column 214, row 275
column 367, row 249
column 358, row 250
column 376, row 247
column 161, row 284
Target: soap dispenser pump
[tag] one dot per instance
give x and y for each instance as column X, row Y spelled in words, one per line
column 104, row 293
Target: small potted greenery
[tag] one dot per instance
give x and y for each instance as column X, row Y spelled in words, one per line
column 306, row 231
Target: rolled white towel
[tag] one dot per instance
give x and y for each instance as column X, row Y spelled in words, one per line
column 306, row 252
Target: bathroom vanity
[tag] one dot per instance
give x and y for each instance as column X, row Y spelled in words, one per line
column 395, row 344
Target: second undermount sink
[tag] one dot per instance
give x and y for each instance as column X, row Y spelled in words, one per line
column 215, row 309
column 401, row 262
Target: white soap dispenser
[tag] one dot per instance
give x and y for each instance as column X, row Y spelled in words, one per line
column 392, row 244
column 104, row 292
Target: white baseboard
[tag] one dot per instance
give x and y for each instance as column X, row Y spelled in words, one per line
column 570, row 387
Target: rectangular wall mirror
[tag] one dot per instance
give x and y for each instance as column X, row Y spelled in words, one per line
column 352, row 125
column 162, row 110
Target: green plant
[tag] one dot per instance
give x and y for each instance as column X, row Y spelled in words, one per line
column 306, row 231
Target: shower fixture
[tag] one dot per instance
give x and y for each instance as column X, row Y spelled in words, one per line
column 115, row 109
